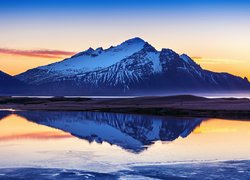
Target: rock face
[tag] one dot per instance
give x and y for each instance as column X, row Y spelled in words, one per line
column 133, row 68
column 131, row 132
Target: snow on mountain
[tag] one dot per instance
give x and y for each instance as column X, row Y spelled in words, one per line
column 95, row 59
column 130, row 70
column 142, row 70
column 85, row 61
column 133, row 66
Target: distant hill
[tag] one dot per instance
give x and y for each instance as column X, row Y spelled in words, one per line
column 10, row 85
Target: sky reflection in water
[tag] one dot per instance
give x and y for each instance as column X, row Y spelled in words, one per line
column 106, row 142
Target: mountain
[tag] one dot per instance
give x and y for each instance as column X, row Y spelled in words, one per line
column 134, row 67
column 9, row 84
column 133, row 133
column 89, row 60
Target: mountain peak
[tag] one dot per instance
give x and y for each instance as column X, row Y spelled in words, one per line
column 167, row 50
column 149, row 48
column 134, row 40
column 89, row 51
column 99, row 49
column 168, row 54
column 186, row 58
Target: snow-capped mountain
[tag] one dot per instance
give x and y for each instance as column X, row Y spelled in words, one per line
column 133, row 67
column 89, row 60
column 131, row 132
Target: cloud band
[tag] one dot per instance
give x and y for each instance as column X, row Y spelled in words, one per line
column 41, row 53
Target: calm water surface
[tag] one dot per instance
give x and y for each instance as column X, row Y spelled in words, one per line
column 110, row 145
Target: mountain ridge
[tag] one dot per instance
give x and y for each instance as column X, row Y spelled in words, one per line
column 133, row 67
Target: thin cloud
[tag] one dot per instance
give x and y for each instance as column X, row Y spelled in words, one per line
column 196, row 57
column 41, row 53
column 215, row 60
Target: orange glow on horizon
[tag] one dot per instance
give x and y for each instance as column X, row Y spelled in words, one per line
column 15, row 127
column 232, row 66
column 221, row 126
column 16, row 64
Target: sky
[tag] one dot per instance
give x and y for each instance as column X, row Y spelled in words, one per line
column 215, row 32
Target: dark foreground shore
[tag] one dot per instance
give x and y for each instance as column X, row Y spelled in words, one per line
column 183, row 105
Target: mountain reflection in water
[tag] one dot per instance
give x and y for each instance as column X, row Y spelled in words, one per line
column 133, row 133
column 4, row 114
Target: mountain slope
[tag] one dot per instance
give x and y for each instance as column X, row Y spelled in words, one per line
column 133, row 67
column 9, row 84
column 85, row 61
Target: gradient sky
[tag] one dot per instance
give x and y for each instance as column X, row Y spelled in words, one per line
column 37, row 32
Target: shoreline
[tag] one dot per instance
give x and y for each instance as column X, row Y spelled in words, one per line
column 180, row 105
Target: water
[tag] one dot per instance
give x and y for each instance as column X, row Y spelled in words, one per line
column 85, row 145
column 207, row 95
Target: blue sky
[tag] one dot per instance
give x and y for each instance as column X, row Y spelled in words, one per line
column 215, row 31
column 51, row 10
column 28, row 6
